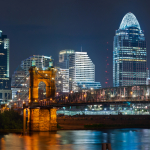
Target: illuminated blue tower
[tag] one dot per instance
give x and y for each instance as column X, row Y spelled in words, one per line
column 129, row 53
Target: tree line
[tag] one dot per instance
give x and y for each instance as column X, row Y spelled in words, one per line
column 11, row 120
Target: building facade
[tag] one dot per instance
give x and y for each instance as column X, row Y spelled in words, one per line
column 62, row 80
column 19, row 85
column 81, row 72
column 64, row 58
column 19, row 78
column 42, row 62
column 129, row 53
column 148, row 81
column 5, row 81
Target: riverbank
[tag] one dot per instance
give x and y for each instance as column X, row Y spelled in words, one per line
column 6, row 131
column 89, row 122
column 96, row 122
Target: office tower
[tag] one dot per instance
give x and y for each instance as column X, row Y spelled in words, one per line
column 81, row 72
column 62, row 76
column 5, row 82
column 62, row 80
column 19, row 84
column 64, row 58
column 18, row 78
column 40, row 61
column 129, row 53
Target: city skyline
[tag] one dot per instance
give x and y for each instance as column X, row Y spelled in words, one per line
column 74, row 74
column 86, row 24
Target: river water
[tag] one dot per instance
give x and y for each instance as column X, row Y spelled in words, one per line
column 120, row 139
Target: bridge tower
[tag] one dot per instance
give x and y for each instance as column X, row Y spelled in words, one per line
column 40, row 118
column 37, row 76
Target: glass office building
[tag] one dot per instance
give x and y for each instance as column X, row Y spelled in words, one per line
column 62, row 75
column 129, row 53
column 88, row 85
column 81, row 72
column 62, row 80
column 64, row 58
column 5, row 82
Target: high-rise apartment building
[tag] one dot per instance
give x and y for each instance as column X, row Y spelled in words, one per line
column 5, row 82
column 81, row 72
column 129, row 53
column 40, row 61
column 64, row 58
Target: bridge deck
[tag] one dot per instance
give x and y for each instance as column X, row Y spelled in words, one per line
column 111, row 102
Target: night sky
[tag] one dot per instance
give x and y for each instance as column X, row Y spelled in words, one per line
column 44, row 27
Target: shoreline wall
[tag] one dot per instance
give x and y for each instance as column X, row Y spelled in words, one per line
column 104, row 121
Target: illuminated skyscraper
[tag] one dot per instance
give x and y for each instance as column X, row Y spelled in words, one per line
column 62, row 75
column 62, row 80
column 64, row 58
column 129, row 53
column 5, row 82
column 82, row 72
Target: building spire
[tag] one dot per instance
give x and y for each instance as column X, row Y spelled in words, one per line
column 81, row 48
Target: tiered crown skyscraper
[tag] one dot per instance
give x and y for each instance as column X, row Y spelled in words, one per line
column 76, row 72
column 82, row 72
column 129, row 53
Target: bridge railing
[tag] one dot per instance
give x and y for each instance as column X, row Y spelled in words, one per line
column 116, row 94
column 90, row 101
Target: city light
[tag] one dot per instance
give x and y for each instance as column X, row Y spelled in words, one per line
column 102, row 102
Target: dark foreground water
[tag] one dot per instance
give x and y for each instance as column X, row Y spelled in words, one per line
column 120, row 139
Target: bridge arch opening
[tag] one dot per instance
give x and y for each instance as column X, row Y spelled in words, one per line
column 41, row 90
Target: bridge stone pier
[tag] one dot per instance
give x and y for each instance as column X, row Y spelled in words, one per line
column 41, row 118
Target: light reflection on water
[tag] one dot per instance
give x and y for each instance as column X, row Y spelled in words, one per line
column 120, row 139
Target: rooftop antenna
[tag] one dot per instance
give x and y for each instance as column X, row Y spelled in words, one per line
column 81, row 48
